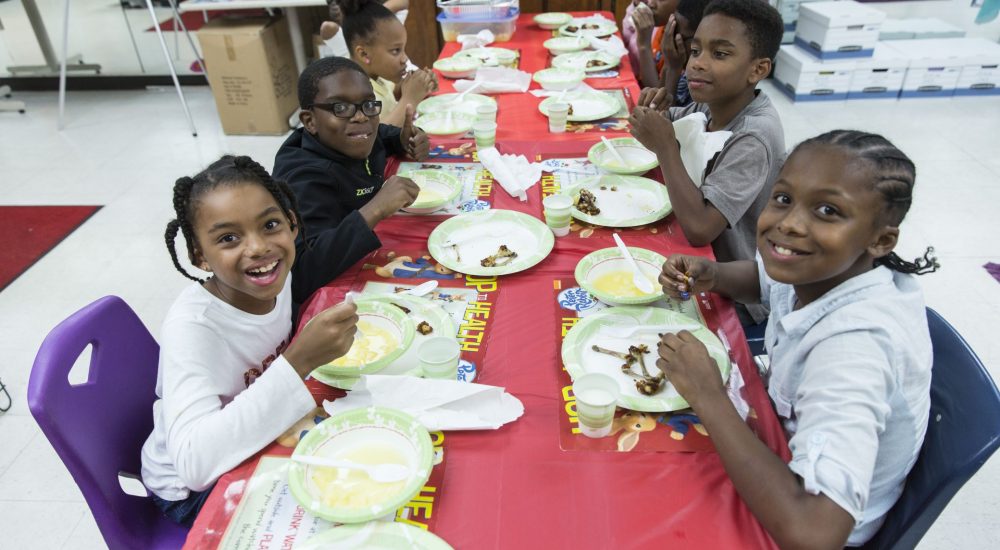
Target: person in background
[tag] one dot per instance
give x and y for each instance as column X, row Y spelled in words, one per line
column 676, row 47
column 335, row 165
column 329, row 30
column 732, row 50
column 646, row 22
column 849, row 347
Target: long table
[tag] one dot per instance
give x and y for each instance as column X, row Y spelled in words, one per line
column 535, row 483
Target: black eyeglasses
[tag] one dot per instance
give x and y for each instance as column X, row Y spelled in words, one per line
column 339, row 109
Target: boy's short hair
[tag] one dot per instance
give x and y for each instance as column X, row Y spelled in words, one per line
column 763, row 23
column 320, row 69
column 692, row 10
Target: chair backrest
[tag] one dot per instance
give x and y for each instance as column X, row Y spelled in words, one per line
column 962, row 432
column 98, row 427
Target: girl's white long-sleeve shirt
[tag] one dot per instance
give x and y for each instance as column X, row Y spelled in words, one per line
column 225, row 391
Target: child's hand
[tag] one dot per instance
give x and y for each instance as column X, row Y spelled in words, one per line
column 642, row 17
column 657, row 99
column 673, row 47
column 686, row 363
column 413, row 139
column 397, row 192
column 416, row 86
column 651, row 129
column 684, row 275
column 325, row 337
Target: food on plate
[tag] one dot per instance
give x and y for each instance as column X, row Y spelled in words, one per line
column 572, row 28
column 586, row 202
column 425, row 328
column 619, row 283
column 350, row 488
column 646, row 384
column 596, row 63
column 376, row 343
column 590, row 26
column 405, row 309
column 503, row 257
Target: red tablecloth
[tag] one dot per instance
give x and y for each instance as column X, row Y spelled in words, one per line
column 516, row 487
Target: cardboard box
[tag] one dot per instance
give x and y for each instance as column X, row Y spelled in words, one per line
column 251, row 69
column 838, row 30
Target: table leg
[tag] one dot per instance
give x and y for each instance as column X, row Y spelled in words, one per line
column 295, row 32
column 51, row 66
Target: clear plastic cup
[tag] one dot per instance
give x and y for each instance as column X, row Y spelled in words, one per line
column 557, row 213
column 558, row 112
column 438, row 357
column 485, row 133
column 596, row 399
column 486, row 112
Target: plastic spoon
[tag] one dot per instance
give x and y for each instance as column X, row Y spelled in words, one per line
column 614, row 152
column 421, row 289
column 458, row 99
column 382, row 473
column 638, row 277
column 350, row 299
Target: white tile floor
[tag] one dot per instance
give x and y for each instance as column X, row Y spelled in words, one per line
column 124, row 149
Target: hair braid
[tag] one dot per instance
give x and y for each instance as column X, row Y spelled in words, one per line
column 170, row 236
column 182, row 209
column 894, row 176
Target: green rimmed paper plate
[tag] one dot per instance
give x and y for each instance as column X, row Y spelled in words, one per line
column 624, row 201
column 566, row 44
column 607, row 276
column 373, row 435
column 583, row 60
column 586, row 105
column 552, row 20
column 376, row 535
column 420, row 310
column 579, row 357
column 461, row 242
column 437, row 189
column 490, row 57
column 457, row 66
column 555, row 78
column 446, row 124
column 638, row 159
column 388, row 333
column 444, row 102
column 586, row 27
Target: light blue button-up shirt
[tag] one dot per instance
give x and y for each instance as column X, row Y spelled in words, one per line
column 850, row 378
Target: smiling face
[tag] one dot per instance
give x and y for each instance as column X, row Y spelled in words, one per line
column 385, row 54
column 721, row 67
column 824, row 222
column 247, row 243
column 353, row 136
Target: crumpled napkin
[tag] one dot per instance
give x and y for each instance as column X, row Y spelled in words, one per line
column 437, row 404
column 698, row 146
column 613, row 45
column 496, row 80
column 513, row 172
column 478, row 40
column 581, row 87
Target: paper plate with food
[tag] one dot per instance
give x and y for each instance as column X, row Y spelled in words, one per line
column 372, row 437
column 449, row 103
column 457, row 66
column 589, row 61
column 566, row 44
column 493, row 242
column 375, row 535
column 584, row 105
column 621, row 343
column 491, row 57
column 437, row 190
column 384, row 334
column 428, row 318
column 606, row 275
column 589, row 27
column 447, row 124
column 618, row 201
column 638, row 159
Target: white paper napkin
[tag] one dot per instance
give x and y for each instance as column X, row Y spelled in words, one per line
column 478, row 40
column 581, row 87
column 698, row 146
column 513, row 172
column 437, row 404
column 497, row 80
column 613, row 45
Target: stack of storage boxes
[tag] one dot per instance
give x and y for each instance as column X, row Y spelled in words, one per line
column 943, row 67
column 789, row 10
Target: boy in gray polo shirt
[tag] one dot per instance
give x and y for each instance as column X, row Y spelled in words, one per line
column 732, row 50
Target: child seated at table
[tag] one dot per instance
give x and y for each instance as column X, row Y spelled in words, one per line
column 676, row 49
column 377, row 42
column 850, row 350
column 732, row 50
column 329, row 30
column 335, row 165
column 229, row 381
column 643, row 29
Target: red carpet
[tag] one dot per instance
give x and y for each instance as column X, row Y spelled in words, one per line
column 194, row 20
column 31, row 231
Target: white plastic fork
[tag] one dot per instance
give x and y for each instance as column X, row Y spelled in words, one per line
column 638, row 277
column 421, row 289
column 350, row 299
column 614, row 151
column 382, row 473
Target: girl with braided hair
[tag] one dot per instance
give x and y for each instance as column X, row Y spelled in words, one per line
column 230, row 379
column 850, row 352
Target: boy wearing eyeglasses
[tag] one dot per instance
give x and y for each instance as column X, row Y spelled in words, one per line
column 335, row 165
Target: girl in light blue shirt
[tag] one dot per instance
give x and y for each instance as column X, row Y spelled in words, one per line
column 847, row 337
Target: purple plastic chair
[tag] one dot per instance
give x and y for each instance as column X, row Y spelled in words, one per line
column 98, row 427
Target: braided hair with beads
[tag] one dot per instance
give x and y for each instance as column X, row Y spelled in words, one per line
column 229, row 170
column 894, row 175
